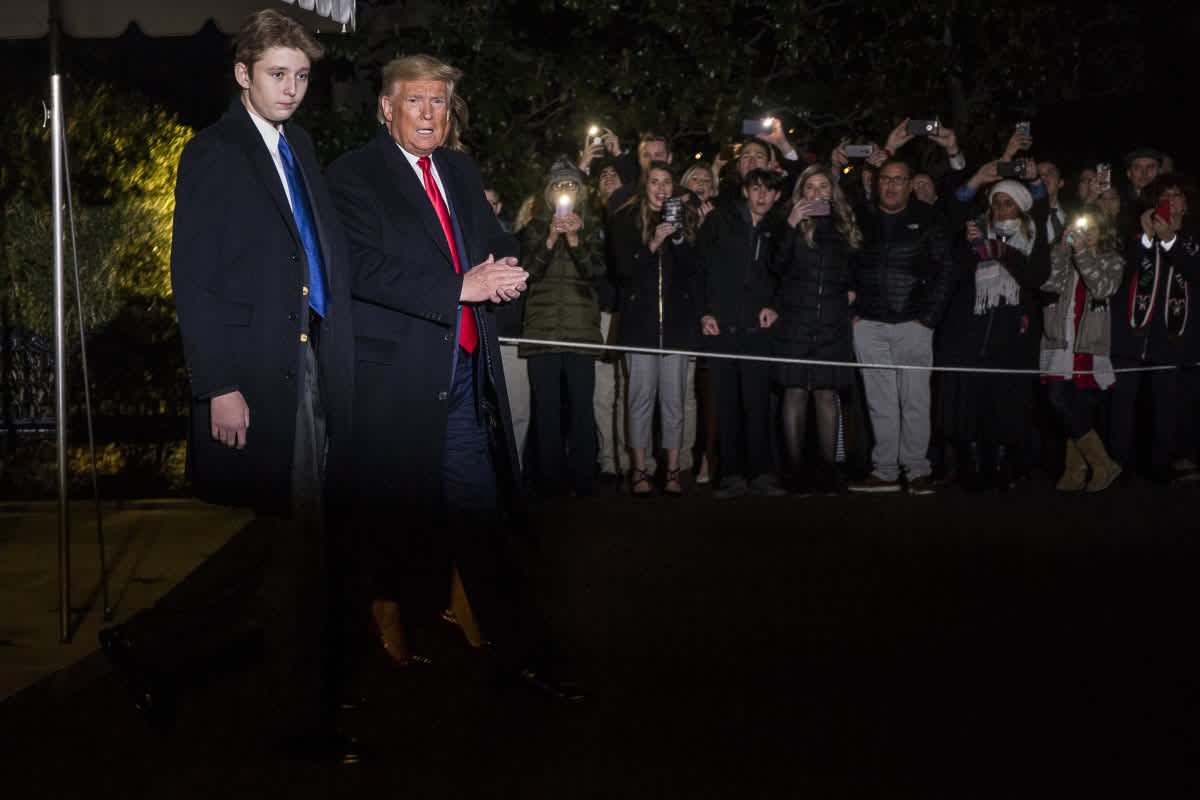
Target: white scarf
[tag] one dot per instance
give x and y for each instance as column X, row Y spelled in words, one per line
column 994, row 283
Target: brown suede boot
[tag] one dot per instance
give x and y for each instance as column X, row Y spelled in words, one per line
column 1104, row 469
column 1075, row 470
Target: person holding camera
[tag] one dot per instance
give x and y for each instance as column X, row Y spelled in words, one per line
column 737, row 291
column 563, row 252
column 652, row 244
column 864, row 161
column 1085, row 269
column 601, row 143
column 1153, row 327
column 901, row 276
column 993, row 321
column 813, row 264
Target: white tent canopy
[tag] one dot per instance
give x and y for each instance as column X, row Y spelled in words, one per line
column 30, row 19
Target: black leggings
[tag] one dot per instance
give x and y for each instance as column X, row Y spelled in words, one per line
column 795, row 420
column 1074, row 407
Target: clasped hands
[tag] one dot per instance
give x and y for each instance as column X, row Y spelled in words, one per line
column 568, row 226
column 495, row 281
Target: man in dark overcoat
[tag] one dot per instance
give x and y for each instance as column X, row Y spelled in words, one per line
column 435, row 462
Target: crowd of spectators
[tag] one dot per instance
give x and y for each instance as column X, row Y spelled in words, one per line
column 1029, row 300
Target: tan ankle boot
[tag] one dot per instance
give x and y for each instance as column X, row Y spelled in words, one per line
column 1075, row 470
column 1104, row 469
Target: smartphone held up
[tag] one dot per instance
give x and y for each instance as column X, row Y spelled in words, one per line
column 1011, row 169
column 818, row 208
column 754, row 127
column 672, row 211
column 923, row 127
column 1163, row 210
column 1079, row 229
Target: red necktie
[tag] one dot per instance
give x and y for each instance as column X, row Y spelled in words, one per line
column 468, row 334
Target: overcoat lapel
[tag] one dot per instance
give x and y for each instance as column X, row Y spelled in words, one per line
column 256, row 150
column 404, row 181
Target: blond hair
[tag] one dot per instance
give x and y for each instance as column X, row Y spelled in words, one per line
column 843, row 214
column 419, row 67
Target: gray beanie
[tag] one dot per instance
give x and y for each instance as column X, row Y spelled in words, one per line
column 564, row 170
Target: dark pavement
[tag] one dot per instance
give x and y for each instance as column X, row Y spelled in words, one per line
column 1009, row 646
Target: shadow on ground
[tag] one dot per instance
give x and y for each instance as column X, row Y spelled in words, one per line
column 1018, row 645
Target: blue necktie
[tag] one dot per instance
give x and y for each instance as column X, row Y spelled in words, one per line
column 302, row 211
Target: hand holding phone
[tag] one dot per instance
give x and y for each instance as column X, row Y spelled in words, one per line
column 923, row 127
column 755, row 127
column 1163, row 210
column 1011, row 169
column 818, row 208
column 672, row 212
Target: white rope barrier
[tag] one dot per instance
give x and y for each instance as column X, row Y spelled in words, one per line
column 657, row 351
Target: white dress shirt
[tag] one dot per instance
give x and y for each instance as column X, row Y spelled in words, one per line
column 270, row 135
column 412, row 160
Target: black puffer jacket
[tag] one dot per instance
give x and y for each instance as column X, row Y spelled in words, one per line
column 902, row 272
column 734, row 267
column 814, row 311
column 638, row 274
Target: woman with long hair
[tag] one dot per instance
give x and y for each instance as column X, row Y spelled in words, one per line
column 813, row 265
column 1085, row 269
column 652, row 248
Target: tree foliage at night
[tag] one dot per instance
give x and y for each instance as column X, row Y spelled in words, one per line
column 537, row 73
column 124, row 156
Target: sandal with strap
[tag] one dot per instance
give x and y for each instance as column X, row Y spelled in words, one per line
column 672, row 478
column 638, row 477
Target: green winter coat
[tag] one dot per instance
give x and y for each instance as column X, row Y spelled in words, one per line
column 561, row 302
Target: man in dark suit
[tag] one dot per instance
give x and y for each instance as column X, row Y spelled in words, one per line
column 434, row 448
column 259, row 273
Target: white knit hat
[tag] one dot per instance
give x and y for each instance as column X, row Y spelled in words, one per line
column 1017, row 191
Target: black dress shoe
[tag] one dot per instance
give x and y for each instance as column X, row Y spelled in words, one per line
column 333, row 748
column 545, row 684
column 355, row 702
column 148, row 691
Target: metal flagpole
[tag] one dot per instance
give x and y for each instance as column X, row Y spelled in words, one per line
column 60, row 347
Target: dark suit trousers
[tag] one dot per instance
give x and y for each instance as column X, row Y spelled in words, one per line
column 1125, row 424
column 743, row 405
column 546, row 374
column 269, row 586
column 494, row 585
